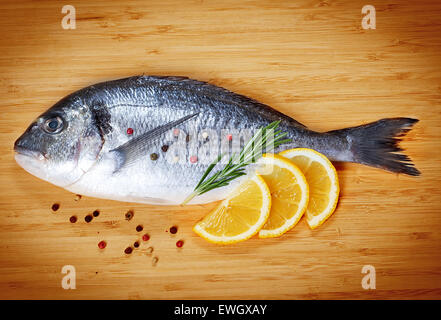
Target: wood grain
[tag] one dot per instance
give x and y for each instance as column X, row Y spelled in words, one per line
column 309, row 59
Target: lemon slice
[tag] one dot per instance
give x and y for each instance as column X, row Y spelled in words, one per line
column 238, row 217
column 289, row 194
column 323, row 183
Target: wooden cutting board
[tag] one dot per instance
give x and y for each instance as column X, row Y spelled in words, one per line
column 309, row 59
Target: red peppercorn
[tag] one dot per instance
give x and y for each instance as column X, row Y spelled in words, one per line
column 180, row 243
column 129, row 131
column 102, row 244
column 173, row 230
column 145, row 237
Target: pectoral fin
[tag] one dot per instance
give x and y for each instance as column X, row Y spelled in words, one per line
column 138, row 146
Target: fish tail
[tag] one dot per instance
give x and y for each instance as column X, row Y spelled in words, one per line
column 376, row 144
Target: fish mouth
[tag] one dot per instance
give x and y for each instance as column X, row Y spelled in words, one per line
column 28, row 152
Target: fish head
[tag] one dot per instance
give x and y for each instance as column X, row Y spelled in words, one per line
column 62, row 144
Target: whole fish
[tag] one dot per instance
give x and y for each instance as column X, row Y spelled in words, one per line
column 150, row 139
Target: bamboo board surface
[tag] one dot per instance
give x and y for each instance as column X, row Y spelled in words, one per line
column 309, row 59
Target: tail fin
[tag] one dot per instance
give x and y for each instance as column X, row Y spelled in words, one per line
column 375, row 144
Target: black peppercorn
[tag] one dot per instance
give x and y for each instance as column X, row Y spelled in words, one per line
column 129, row 215
column 173, row 230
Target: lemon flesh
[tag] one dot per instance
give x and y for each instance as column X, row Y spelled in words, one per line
column 322, row 180
column 238, row 217
column 289, row 194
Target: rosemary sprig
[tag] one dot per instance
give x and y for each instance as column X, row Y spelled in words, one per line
column 265, row 138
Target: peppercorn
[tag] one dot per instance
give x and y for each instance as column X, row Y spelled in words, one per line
column 154, row 156
column 73, row 219
column 96, row 213
column 145, row 237
column 139, row 228
column 55, row 206
column 136, row 244
column 164, row 148
column 88, row 218
column 102, row 244
column 180, row 243
column 128, row 250
column 129, row 215
column 173, row 230
column 193, row 159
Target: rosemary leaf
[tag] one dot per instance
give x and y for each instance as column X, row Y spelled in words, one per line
column 266, row 138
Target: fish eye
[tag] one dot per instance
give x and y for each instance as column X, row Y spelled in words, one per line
column 53, row 125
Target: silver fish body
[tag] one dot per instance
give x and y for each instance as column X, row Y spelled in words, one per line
column 150, row 139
